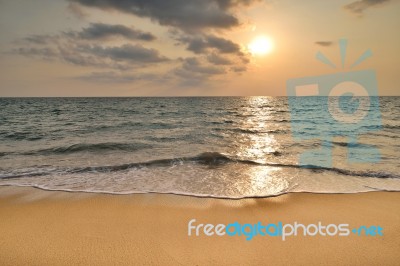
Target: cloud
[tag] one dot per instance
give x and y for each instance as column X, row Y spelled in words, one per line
column 81, row 47
column 359, row 7
column 324, row 43
column 113, row 77
column 122, row 57
column 73, row 55
column 94, row 32
column 101, row 31
column 218, row 60
column 132, row 53
column 44, row 53
column 239, row 69
column 202, row 44
column 193, row 71
column 40, row 39
column 197, row 26
column 214, row 56
column 77, row 11
column 217, row 50
column 193, row 64
column 187, row 15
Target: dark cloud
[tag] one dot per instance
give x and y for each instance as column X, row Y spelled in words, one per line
column 324, row 43
column 193, row 72
column 204, row 68
column 205, row 43
column 95, row 31
column 116, row 57
column 70, row 54
column 239, row 69
column 218, row 60
column 81, row 47
column 43, row 53
column 184, row 14
column 40, row 39
column 105, row 31
column 200, row 45
column 214, row 55
column 132, row 53
column 359, row 7
column 113, row 77
column 194, row 65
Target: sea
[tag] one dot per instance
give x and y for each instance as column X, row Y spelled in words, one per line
column 223, row 147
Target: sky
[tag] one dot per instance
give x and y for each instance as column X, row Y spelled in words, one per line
column 189, row 47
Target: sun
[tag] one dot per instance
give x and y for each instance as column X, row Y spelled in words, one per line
column 261, row 45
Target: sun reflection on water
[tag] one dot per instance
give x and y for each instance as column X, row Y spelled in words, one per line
column 255, row 143
column 266, row 179
column 258, row 144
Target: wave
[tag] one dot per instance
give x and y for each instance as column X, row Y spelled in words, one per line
column 351, row 172
column 105, row 127
column 251, row 131
column 255, row 131
column 206, row 158
column 319, row 143
column 21, row 136
column 212, row 159
column 341, row 144
column 280, row 120
column 96, row 147
column 391, row 126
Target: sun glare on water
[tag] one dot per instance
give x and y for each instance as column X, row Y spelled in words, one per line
column 261, row 45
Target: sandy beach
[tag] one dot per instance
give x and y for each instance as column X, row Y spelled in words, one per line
column 60, row 228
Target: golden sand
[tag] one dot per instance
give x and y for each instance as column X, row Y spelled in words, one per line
column 60, row 228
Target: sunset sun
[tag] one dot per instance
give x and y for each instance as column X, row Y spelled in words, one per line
column 261, row 45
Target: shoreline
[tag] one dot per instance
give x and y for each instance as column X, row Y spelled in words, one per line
column 179, row 194
column 63, row 228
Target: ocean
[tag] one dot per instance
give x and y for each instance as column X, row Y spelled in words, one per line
column 225, row 147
